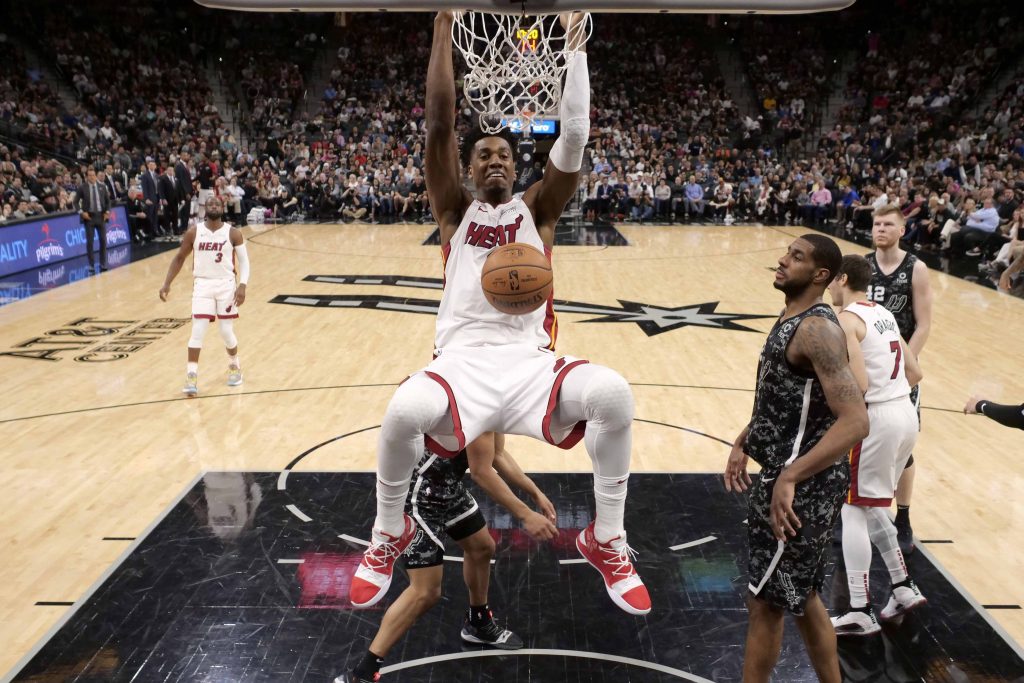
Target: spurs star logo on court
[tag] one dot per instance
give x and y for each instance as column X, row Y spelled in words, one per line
column 652, row 319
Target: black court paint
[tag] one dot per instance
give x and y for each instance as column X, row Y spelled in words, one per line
column 204, row 597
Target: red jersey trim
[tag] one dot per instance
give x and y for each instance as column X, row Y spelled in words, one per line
column 460, row 437
column 853, row 497
column 580, row 427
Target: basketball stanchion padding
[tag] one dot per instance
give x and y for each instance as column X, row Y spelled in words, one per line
column 517, row 278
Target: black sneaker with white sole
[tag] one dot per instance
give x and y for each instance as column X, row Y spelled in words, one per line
column 905, row 537
column 492, row 635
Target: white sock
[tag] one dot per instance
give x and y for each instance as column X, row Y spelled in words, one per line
column 610, row 500
column 883, row 535
column 858, row 583
column 418, row 406
column 234, row 362
column 193, row 368
column 856, row 553
column 896, row 565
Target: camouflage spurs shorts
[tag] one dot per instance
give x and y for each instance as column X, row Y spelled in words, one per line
column 785, row 574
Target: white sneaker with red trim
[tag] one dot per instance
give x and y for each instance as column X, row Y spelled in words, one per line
column 623, row 584
column 373, row 578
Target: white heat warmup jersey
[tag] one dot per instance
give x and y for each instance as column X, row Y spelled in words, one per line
column 465, row 318
column 213, row 255
column 883, row 354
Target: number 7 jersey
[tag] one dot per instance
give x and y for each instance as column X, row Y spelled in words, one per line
column 213, row 255
column 883, row 354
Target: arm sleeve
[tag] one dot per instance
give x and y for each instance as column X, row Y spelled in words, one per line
column 243, row 264
column 1009, row 416
column 567, row 152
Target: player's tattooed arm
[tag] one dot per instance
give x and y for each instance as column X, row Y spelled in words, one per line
column 820, row 345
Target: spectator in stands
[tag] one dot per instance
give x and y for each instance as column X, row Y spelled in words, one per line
column 981, row 231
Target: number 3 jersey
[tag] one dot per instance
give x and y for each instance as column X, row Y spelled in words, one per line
column 883, row 355
column 213, row 255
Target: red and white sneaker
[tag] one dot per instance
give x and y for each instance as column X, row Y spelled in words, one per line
column 373, row 578
column 623, row 584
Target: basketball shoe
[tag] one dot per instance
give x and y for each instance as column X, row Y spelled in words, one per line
column 491, row 634
column 234, row 376
column 191, row 387
column 623, row 584
column 856, row 622
column 905, row 596
column 373, row 578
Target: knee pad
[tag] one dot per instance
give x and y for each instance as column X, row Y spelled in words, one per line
column 199, row 327
column 608, row 400
column 227, row 332
column 416, row 406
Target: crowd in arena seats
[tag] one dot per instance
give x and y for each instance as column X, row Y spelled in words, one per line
column 668, row 143
column 792, row 79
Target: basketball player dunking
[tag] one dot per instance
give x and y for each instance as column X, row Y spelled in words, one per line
column 900, row 283
column 214, row 246
column 808, row 413
column 493, row 371
column 885, row 372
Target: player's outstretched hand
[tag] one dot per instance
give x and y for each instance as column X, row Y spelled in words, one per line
column 539, row 527
column 449, row 15
column 164, row 291
column 782, row 517
column 240, row 295
column 972, row 405
column 574, row 24
column 545, row 506
column 736, row 476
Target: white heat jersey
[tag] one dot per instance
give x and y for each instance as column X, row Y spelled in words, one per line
column 465, row 317
column 213, row 255
column 883, row 354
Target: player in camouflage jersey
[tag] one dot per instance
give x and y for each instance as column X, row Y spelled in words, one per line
column 808, row 413
column 900, row 283
column 442, row 506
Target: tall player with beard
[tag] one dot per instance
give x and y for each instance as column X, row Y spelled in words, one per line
column 808, row 413
column 900, row 283
column 215, row 247
column 493, row 371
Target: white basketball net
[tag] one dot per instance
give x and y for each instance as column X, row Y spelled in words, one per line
column 515, row 65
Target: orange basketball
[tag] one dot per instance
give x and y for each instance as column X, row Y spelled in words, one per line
column 517, row 278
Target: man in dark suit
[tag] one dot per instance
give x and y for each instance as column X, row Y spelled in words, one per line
column 184, row 176
column 170, row 200
column 120, row 179
column 93, row 203
column 151, row 197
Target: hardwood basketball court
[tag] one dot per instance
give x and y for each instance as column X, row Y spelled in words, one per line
column 99, row 441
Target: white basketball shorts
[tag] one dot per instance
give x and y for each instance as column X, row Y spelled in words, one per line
column 213, row 298
column 509, row 389
column 877, row 462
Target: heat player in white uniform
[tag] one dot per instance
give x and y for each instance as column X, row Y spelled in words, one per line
column 218, row 256
column 495, row 372
column 885, row 373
